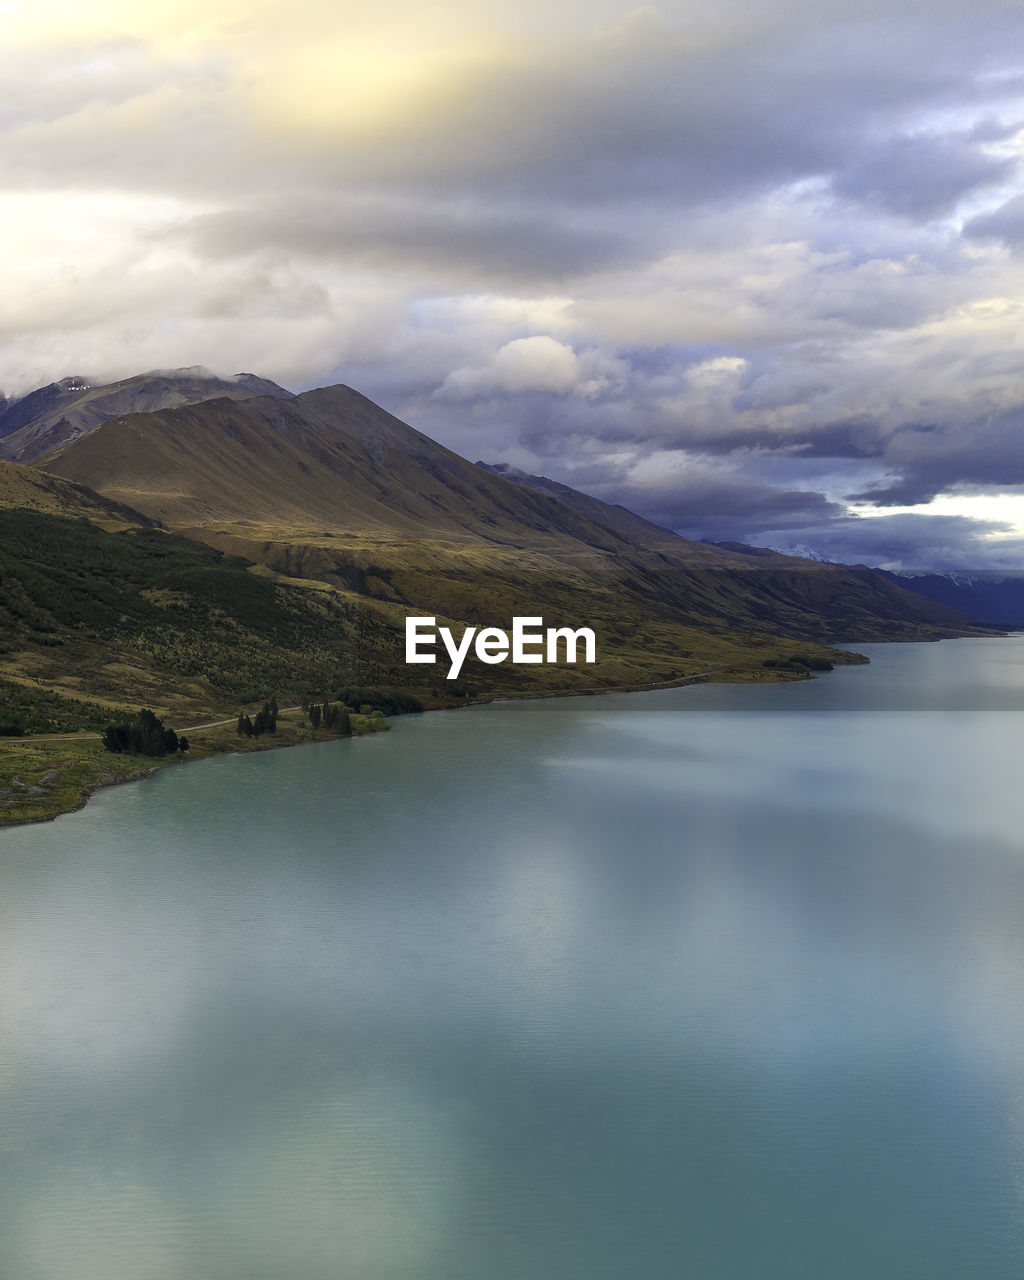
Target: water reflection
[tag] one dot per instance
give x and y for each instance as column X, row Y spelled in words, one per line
column 545, row 990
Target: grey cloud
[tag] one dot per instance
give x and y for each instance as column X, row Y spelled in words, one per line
column 481, row 241
column 859, row 438
column 666, row 118
column 722, row 508
column 652, row 115
column 1005, row 223
column 928, row 460
column 921, row 176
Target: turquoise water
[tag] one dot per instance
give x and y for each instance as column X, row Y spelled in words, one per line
column 721, row 982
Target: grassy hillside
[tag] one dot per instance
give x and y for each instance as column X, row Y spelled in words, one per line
column 27, row 489
column 93, row 619
column 145, row 617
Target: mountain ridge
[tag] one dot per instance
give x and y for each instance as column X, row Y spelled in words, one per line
column 49, row 416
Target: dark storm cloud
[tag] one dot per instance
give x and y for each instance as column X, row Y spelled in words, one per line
column 657, row 115
column 931, row 460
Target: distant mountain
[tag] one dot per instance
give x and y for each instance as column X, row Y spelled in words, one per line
column 62, row 411
column 804, row 552
column 993, row 597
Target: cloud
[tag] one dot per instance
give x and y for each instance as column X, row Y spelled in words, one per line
column 908, row 542
column 779, row 241
column 722, row 508
column 477, row 245
column 538, row 363
column 922, row 176
column 1005, row 223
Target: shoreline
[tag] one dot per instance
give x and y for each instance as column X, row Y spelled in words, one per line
column 111, row 778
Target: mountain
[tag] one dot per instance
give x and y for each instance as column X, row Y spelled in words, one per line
column 993, row 597
column 64, row 410
column 329, row 486
column 327, row 458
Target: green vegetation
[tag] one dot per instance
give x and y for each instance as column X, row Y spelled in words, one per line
column 265, row 721
column 140, row 611
column 30, row 709
column 800, row 662
column 43, row 780
column 388, row 702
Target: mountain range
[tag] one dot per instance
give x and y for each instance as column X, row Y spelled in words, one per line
column 346, row 514
column 993, row 597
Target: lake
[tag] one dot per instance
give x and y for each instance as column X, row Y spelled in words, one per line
column 721, row 983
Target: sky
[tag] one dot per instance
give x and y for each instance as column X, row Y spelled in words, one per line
column 755, row 271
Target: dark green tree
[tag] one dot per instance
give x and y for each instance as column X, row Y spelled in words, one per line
column 115, row 738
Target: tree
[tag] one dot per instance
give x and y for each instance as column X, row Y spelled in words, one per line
column 183, row 744
column 146, row 737
column 115, row 738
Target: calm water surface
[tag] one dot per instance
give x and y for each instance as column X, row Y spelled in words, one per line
column 722, row 983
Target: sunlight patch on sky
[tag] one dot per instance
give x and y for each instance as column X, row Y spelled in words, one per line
column 1006, row 508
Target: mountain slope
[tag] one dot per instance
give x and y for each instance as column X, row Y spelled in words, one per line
column 141, row 616
column 27, row 489
column 621, row 520
column 64, row 410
